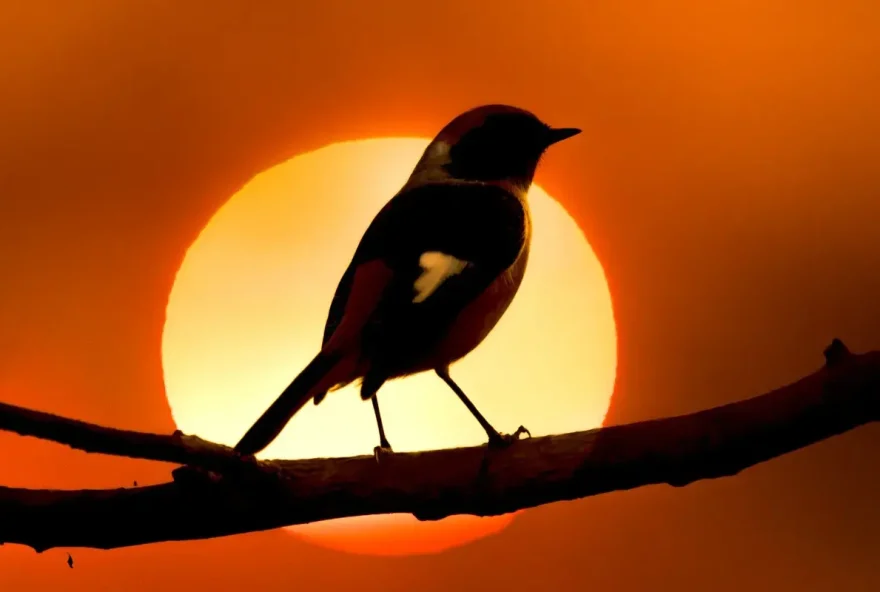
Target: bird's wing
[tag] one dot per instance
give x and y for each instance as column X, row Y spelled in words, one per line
column 416, row 243
column 337, row 305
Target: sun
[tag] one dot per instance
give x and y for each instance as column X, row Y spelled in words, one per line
column 247, row 311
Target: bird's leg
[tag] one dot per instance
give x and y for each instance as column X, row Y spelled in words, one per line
column 384, row 447
column 369, row 390
column 496, row 439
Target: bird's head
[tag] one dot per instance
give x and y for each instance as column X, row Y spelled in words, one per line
column 491, row 143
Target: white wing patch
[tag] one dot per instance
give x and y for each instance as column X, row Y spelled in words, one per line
column 438, row 267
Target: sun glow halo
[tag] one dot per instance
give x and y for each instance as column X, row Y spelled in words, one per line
column 248, row 307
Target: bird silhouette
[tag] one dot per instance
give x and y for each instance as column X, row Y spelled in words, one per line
column 69, row 561
column 433, row 273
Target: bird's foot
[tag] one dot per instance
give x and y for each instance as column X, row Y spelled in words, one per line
column 498, row 440
column 382, row 451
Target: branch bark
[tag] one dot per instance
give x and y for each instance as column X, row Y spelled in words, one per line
column 253, row 495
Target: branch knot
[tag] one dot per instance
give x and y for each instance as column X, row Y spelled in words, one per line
column 836, row 353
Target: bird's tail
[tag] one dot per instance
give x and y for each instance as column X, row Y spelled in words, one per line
column 323, row 372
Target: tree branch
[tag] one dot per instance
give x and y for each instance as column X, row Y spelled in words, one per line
column 716, row 442
column 176, row 448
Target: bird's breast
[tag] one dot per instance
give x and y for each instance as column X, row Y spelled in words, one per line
column 477, row 319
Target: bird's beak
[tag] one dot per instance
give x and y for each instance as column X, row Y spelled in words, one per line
column 561, row 133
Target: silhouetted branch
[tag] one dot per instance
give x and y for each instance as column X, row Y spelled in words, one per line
column 175, row 448
column 717, row 442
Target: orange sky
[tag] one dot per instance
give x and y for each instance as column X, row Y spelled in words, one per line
column 727, row 178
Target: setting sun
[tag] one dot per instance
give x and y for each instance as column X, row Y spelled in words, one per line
column 248, row 307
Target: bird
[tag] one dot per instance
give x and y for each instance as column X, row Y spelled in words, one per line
column 434, row 271
column 69, row 561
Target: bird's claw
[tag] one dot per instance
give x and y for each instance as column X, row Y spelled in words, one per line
column 380, row 451
column 504, row 440
column 520, row 431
